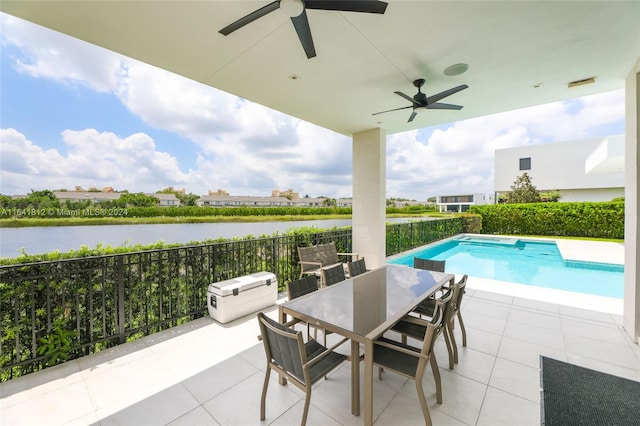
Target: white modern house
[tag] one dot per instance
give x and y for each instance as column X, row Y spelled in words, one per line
column 581, row 170
column 461, row 203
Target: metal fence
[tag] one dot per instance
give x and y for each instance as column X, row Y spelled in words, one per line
column 65, row 309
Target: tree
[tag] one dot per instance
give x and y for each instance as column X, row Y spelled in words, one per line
column 329, row 202
column 136, row 200
column 523, row 191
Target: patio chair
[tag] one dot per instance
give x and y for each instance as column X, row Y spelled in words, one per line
column 426, row 308
column 428, row 264
column 333, row 274
column 450, row 299
column 300, row 287
column 411, row 362
column 303, row 364
column 357, row 267
column 314, row 258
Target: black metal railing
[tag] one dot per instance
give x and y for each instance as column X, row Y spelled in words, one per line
column 58, row 310
column 406, row 236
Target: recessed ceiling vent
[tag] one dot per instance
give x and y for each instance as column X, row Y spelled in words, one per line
column 581, row 82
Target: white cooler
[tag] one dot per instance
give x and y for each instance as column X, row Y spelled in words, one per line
column 234, row 298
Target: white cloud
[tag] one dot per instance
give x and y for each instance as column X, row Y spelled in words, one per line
column 93, row 159
column 246, row 148
column 52, row 55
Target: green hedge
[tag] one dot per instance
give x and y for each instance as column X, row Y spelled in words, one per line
column 589, row 219
column 471, row 223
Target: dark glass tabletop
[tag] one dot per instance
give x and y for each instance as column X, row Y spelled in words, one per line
column 368, row 304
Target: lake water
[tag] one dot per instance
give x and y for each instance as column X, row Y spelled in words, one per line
column 38, row 240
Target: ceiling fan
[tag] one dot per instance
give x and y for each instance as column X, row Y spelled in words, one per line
column 296, row 9
column 420, row 101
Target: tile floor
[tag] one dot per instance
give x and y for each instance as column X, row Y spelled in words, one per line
column 206, row 373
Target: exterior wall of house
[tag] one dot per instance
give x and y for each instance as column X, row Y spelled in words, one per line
column 557, row 166
column 592, row 194
column 631, row 310
column 166, row 200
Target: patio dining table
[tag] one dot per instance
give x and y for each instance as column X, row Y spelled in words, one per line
column 362, row 308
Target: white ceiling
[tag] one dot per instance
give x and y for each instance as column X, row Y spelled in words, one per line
column 510, row 46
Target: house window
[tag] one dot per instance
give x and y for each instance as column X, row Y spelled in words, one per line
column 525, row 163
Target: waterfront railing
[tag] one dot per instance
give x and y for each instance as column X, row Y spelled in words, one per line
column 54, row 311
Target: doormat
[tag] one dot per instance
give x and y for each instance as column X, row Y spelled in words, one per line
column 574, row 395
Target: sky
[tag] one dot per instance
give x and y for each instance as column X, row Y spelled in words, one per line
column 74, row 114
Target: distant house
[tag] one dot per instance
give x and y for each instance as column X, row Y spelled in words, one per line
column 344, row 202
column 461, row 203
column 242, row 200
column 309, row 202
column 581, row 170
column 166, row 200
column 93, row 196
column 408, row 203
column 215, row 200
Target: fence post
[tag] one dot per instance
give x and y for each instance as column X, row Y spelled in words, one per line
column 120, row 282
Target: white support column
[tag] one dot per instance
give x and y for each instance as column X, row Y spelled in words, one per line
column 631, row 320
column 369, row 196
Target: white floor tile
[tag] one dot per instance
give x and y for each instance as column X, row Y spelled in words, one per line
column 158, row 409
column 196, row 417
column 526, row 353
column 240, row 405
column 533, row 334
column 217, row 379
column 516, row 379
column 545, row 320
column 504, row 409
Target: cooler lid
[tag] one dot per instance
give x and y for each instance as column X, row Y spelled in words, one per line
column 239, row 284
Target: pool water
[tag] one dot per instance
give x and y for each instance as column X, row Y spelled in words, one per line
column 528, row 262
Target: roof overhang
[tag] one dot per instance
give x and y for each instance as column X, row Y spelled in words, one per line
column 519, row 54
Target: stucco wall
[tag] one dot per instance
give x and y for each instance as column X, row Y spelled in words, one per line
column 598, row 194
column 554, row 166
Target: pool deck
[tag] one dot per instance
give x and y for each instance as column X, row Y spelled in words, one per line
column 591, row 251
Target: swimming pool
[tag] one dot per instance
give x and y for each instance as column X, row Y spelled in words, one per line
column 537, row 263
